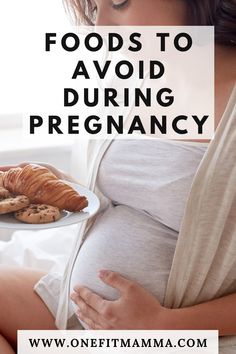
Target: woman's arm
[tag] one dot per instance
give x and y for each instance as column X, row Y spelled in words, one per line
column 138, row 309
column 217, row 314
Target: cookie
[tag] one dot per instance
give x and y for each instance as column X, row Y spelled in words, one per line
column 38, row 214
column 10, row 203
column 4, row 193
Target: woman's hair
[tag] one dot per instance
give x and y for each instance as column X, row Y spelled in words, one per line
column 81, row 10
column 218, row 13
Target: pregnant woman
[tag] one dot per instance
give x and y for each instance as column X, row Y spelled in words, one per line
column 119, row 276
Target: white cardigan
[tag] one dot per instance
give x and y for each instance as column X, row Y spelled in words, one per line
column 204, row 264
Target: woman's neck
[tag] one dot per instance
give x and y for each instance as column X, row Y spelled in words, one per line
column 225, row 78
column 225, row 64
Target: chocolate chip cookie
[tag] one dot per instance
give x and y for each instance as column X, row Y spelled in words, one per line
column 38, row 214
column 10, row 204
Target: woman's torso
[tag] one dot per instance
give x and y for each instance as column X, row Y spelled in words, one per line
column 148, row 182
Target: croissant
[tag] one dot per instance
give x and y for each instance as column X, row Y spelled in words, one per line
column 41, row 186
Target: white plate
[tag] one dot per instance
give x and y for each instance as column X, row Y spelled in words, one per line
column 7, row 221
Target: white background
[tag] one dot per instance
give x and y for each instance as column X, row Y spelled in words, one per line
column 174, row 336
column 16, row 18
column 20, row 41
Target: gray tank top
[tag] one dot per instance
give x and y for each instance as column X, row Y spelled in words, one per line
column 148, row 182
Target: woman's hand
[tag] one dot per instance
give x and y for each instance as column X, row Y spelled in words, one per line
column 135, row 309
column 8, row 167
column 60, row 174
column 138, row 309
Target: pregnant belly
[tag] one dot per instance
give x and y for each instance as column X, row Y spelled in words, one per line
column 131, row 243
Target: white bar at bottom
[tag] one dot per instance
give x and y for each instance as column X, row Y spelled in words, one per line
column 117, row 342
